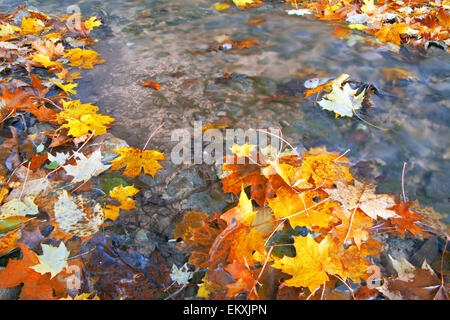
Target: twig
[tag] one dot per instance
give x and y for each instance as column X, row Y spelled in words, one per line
column 323, row 291
column 25, row 182
column 151, row 135
column 176, row 292
column 351, row 222
column 442, row 268
column 279, row 137
column 346, row 151
column 403, row 181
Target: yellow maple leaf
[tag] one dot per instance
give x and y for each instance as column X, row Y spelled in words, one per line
column 46, row 61
column 65, row 75
column 325, row 167
column 358, row 26
column 221, row 6
column 301, row 209
column 308, row 266
column 391, row 33
column 53, row 35
column 241, row 3
column 8, row 29
column 31, row 26
column 242, row 213
column 242, row 151
column 83, row 59
column 135, row 159
column 83, row 296
column 67, row 88
column 122, row 194
column 82, row 119
column 92, row 22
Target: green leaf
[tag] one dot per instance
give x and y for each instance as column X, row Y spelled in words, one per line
column 107, row 182
column 11, row 223
column 52, row 165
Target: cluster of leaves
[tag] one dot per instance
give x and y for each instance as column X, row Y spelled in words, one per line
column 419, row 22
column 307, row 226
column 44, row 170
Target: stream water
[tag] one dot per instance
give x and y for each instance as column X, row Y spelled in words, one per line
column 160, row 40
column 167, row 42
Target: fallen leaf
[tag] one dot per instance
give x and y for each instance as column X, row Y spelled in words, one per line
column 86, row 167
column 181, row 275
column 53, row 260
column 35, row 285
column 151, row 84
column 363, row 196
column 342, row 100
column 135, row 159
column 308, row 266
column 82, row 119
column 122, row 194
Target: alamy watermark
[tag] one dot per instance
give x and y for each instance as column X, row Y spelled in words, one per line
column 229, row 146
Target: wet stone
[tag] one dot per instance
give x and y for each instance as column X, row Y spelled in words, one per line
column 143, row 244
column 206, row 202
column 184, row 183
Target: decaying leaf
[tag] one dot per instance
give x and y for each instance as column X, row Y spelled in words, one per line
column 363, row 196
column 75, row 216
column 17, row 207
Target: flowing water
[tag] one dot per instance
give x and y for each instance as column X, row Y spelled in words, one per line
column 168, row 42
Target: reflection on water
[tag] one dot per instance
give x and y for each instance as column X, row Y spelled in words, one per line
column 165, row 41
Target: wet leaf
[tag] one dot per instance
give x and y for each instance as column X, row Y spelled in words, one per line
column 86, row 167
column 135, row 159
column 122, row 194
column 53, row 260
column 151, row 84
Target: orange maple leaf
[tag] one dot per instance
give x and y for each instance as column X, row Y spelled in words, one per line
column 151, row 84
column 244, row 279
column 35, row 285
column 244, row 175
column 185, row 228
column 407, row 220
column 354, row 225
column 202, row 239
